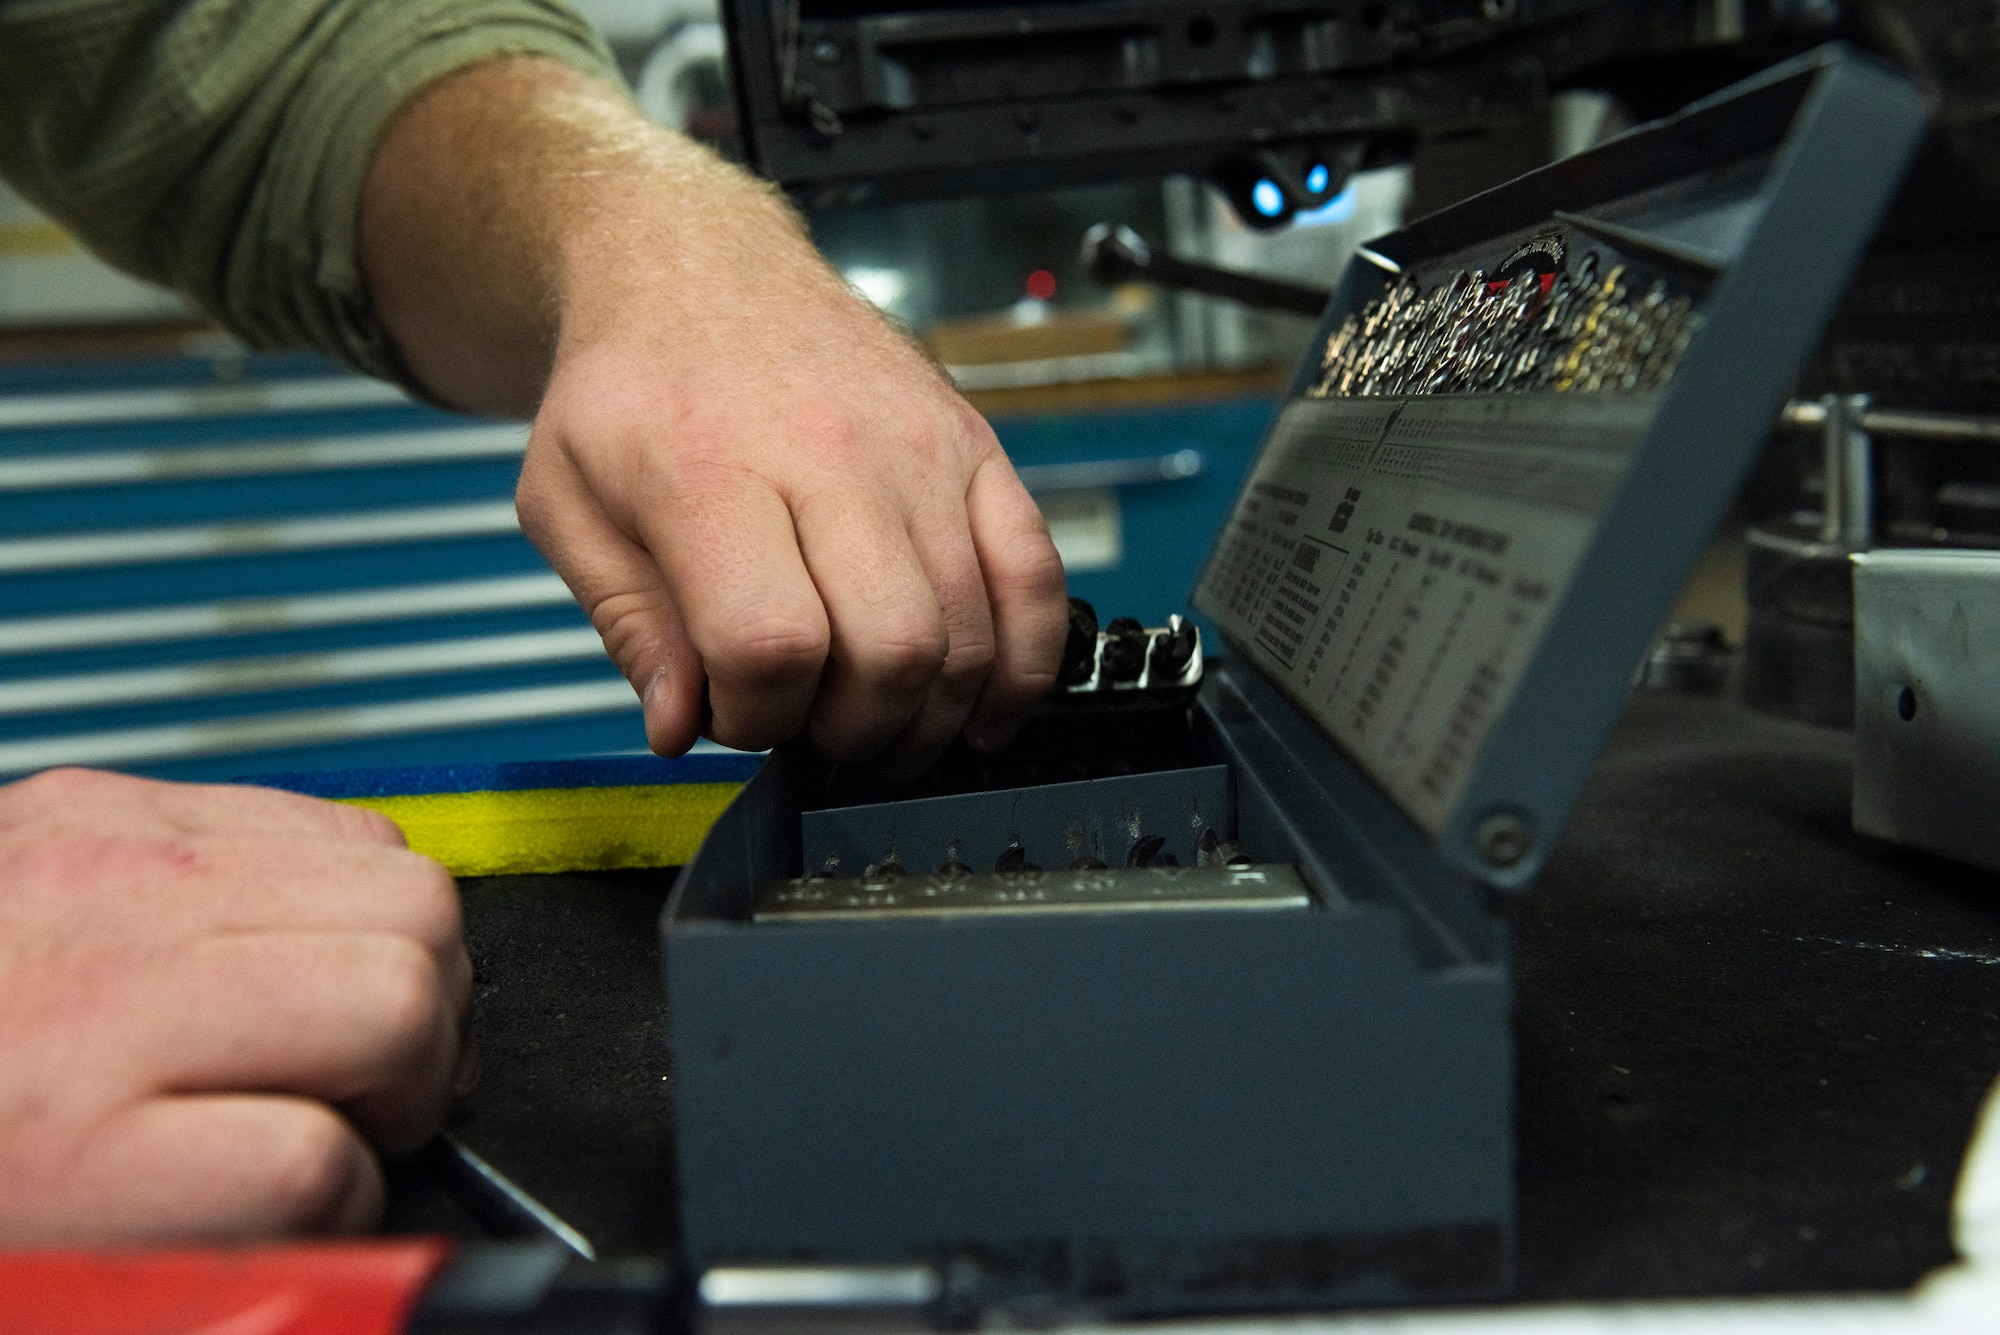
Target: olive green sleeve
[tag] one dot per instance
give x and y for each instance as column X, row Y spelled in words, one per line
column 219, row 146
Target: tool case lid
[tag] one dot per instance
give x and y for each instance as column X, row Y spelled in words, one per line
column 1520, row 422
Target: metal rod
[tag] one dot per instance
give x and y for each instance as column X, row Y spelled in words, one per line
column 1847, row 454
column 1913, row 423
column 1116, row 254
column 1858, row 474
column 495, row 1200
column 1930, row 426
column 1832, row 467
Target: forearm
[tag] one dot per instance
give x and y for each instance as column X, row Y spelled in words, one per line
column 779, row 514
column 220, row 146
column 518, row 200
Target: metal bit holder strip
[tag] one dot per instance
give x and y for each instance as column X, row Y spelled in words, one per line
column 1169, row 817
column 1096, row 890
column 1147, row 850
column 1167, row 657
column 1584, row 334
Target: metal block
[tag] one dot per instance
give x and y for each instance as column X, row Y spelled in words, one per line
column 1927, row 700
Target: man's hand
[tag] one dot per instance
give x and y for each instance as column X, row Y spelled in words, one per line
column 743, row 472
column 208, row 998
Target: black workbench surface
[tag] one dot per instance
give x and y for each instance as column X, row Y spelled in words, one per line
column 1751, row 1044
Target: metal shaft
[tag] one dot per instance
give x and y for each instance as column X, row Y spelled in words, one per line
column 1849, row 509
column 1117, row 254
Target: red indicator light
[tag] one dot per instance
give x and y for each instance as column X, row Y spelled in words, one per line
column 1041, row 285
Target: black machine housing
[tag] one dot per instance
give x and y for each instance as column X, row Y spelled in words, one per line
column 867, row 101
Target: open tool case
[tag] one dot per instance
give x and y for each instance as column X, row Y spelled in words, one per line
column 1287, row 1082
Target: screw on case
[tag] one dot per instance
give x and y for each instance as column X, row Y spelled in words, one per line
column 1503, row 839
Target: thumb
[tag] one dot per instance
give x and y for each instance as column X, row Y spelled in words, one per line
column 622, row 589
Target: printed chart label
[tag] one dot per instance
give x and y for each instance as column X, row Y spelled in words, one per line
column 1393, row 562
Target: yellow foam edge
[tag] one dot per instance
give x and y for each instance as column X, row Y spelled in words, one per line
column 539, row 830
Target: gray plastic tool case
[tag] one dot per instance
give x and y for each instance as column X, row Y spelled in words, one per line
column 1434, row 602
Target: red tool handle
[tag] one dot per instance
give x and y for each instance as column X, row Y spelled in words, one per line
column 352, row 1288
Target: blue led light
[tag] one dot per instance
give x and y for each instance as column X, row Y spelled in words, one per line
column 1267, row 199
column 1336, row 210
column 1317, row 178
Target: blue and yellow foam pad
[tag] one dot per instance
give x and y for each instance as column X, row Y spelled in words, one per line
column 594, row 814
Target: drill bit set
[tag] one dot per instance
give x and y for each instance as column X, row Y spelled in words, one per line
column 1564, row 331
column 981, row 834
column 1197, row 996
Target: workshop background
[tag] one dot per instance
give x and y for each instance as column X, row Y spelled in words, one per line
column 215, row 563
column 1750, row 1042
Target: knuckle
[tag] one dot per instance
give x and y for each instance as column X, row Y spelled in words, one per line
column 311, row 1167
column 831, row 430
column 974, row 429
column 371, row 825
column 704, row 452
column 1033, row 682
column 431, row 900
column 88, row 861
column 63, row 788
column 921, row 430
column 969, row 662
column 531, row 508
column 535, row 504
column 1029, row 568
column 904, row 658
column 402, row 992
column 60, row 861
column 773, row 649
column 629, row 625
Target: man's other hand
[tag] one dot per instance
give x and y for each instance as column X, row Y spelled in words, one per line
column 212, row 1000
column 746, row 475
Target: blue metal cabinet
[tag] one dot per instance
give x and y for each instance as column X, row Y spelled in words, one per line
column 213, row 569
column 1171, row 473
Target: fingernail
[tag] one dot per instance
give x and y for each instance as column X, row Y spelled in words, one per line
column 653, row 705
column 649, row 699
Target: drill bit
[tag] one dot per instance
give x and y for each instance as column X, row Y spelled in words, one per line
column 1124, row 650
column 1079, row 660
column 1014, row 858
